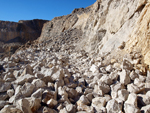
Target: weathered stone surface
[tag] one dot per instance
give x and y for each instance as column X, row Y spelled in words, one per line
column 132, row 99
column 10, row 92
column 38, row 93
column 123, row 94
column 27, row 89
column 51, row 103
column 58, row 75
column 3, row 103
column 4, row 86
column 98, row 102
column 127, row 65
column 10, row 109
column 70, row 108
column 129, row 108
column 134, row 88
column 113, row 106
column 145, row 109
column 124, row 77
column 84, row 100
column 24, row 105
column 38, row 83
column 34, row 103
column 26, row 78
column 94, row 69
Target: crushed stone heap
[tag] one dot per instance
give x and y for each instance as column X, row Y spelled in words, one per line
column 40, row 79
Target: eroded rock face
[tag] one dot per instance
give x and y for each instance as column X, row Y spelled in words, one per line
column 14, row 34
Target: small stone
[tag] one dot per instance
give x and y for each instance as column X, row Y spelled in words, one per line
column 72, row 93
column 22, row 79
column 10, row 92
column 3, row 103
column 94, row 69
column 51, row 103
column 132, row 99
column 35, row 103
column 109, row 68
column 145, row 109
column 58, row 75
column 38, row 83
column 24, row 105
column 129, row 108
column 27, row 70
column 132, row 88
column 27, row 89
column 124, row 77
column 106, row 79
column 104, row 87
column 79, row 90
column 133, row 75
column 117, row 86
column 90, row 97
column 114, row 75
column 113, row 106
column 48, row 110
column 61, row 92
column 123, row 94
column 87, row 91
column 84, row 100
column 10, row 109
column 4, row 86
column 98, row 102
column 63, row 110
column 70, row 108
column 47, row 95
column 38, row 93
column 127, row 65
column 3, row 96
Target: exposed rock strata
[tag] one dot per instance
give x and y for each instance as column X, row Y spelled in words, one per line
column 13, row 34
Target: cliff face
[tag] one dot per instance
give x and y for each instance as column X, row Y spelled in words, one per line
column 13, row 35
column 22, row 31
column 106, row 26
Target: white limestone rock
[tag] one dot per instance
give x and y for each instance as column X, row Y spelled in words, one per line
column 27, row 89
column 94, row 69
column 129, row 108
column 132, row 99
column 10, row 109
column 123, row 94
column 124, row 77
column 98, row 102
column 25, row 78
column 51, row 103
column 145, row 109
column 113, row 106
column 10, row 92
column 24, row 105
column 127, row 65
column 70, row 108
column 38, row 83
column 4, row 86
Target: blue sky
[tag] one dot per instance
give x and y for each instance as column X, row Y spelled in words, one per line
column 15, row 10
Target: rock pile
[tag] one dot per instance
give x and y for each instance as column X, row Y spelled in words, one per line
column 41, row 80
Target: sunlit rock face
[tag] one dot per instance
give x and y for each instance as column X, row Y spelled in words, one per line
column 105, row 26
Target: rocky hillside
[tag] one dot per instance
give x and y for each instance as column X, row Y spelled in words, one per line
column 94, row 60
column 106, row 26
column 13, row 34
